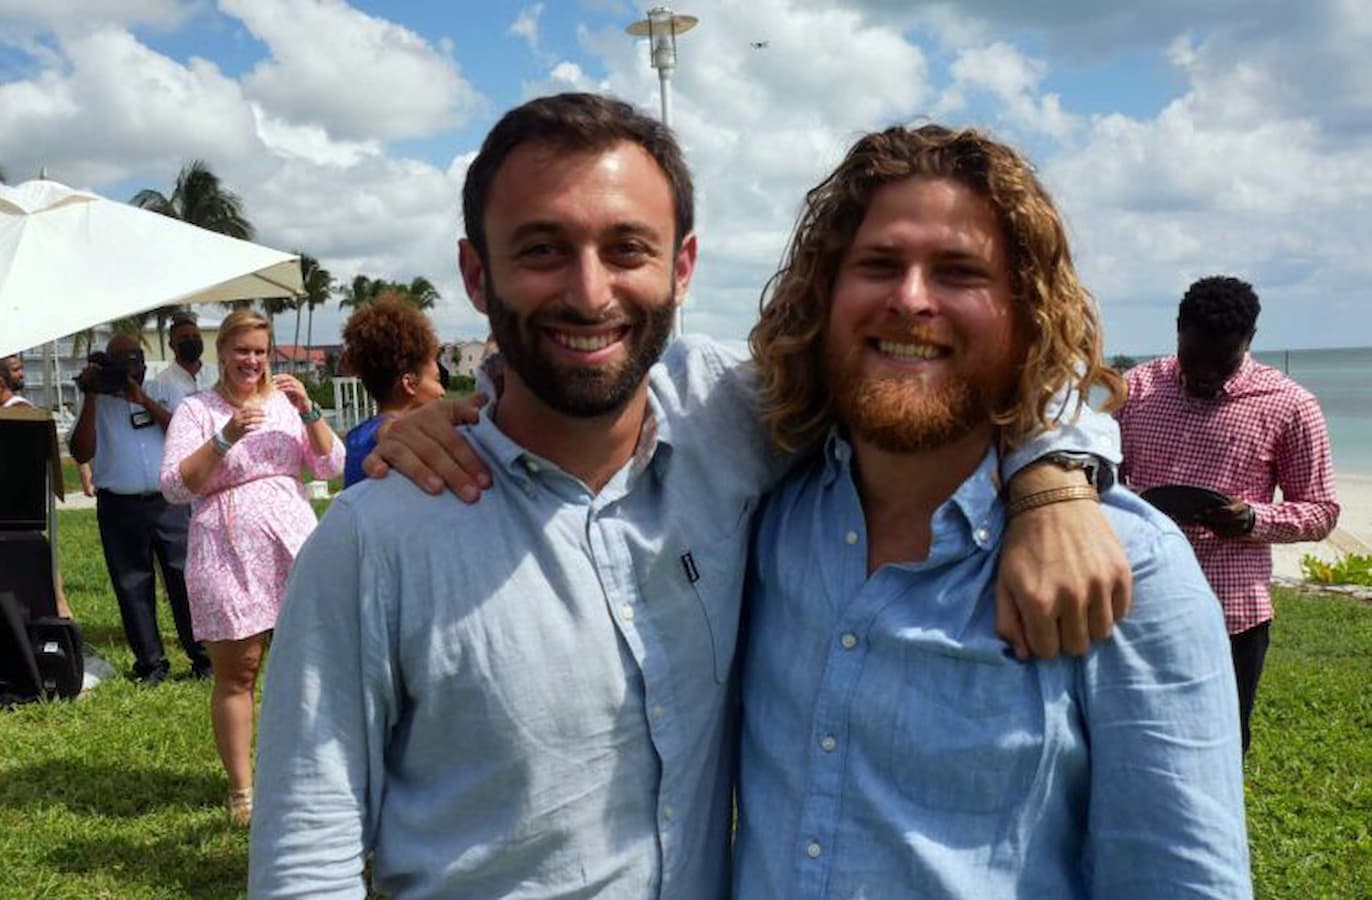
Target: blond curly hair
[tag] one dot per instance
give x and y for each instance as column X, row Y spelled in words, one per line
column 1059, row 317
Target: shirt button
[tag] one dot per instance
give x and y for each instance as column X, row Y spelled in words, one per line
column 627, row 612
column 531, row 465
column 849, row 641
column 656, row 712
column 850, row 537
column 827, row 743
column 668, row 812
column 981, row 535
column 813, row 850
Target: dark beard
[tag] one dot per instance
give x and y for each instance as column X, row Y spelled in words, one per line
column 583, row 392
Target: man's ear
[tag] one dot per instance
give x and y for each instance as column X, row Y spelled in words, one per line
column 473, row 273
column 407, row 384
column 683, row 266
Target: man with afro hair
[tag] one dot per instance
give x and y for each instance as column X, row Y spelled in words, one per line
column 1212, row 417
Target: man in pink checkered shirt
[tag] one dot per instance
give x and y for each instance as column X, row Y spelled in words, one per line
column 1212, row 417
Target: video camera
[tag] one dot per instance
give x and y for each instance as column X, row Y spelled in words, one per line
column 108, row 374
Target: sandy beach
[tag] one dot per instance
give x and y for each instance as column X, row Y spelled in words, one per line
column 1353, row 534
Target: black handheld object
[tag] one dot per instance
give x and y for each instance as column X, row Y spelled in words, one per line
column 1183, row 503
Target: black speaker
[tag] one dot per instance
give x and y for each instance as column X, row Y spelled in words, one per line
column 26, row 572
column 58, row 655
column 29, row 467
column 20, row 681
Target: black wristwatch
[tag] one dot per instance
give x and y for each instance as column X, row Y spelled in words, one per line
column 1099, row 473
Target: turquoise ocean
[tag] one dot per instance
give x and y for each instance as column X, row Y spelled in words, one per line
column 1341, row 379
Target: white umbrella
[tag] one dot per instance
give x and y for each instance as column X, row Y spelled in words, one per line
column 70, row 259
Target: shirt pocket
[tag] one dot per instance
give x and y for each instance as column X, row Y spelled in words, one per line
column 967, row 734
column 716, row 571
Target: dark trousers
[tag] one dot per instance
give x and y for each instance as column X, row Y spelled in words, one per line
column 1249, row 649
column 135, row 528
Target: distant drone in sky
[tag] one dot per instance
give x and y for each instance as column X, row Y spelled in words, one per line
column 758, row 45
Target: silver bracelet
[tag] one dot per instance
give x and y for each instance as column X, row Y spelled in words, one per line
column 221, row 443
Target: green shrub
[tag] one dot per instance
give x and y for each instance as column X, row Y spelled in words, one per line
column 1350, row 569
column 320, row 391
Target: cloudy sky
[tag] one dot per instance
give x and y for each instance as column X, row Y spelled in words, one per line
column 1180, row 137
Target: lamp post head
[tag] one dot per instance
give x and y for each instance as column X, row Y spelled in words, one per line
column 661, row 28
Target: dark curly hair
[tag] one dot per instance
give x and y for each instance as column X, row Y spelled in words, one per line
column 384, row 341
column 1220, row 304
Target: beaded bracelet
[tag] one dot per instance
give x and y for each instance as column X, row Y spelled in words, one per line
column 1052, row 495
column 314, row 414
column 220, row 442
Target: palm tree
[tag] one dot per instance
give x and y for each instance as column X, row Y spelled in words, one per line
column 318, row 284
column 363, row 291
column 421, row 292
column 135, row 326
column 200, row 199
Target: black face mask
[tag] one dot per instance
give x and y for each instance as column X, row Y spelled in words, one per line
column 190, row 350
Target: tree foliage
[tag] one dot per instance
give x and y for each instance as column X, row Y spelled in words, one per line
column 364, row 291
column 198, row 198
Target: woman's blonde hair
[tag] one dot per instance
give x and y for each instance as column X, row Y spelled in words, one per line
column 237, row 322
column 1057, row 316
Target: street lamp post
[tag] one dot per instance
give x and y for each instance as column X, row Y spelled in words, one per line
column 661, row 28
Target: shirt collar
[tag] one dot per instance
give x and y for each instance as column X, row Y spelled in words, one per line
column 1231, row 384
column 975, row 506
column 654, row 442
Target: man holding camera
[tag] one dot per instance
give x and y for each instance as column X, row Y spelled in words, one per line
column 120, row 432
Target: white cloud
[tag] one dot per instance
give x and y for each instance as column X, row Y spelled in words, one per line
column 1247, row 151
column 111, row 110
column 83, row 15
column 759, row 126
column 1013, row 80
column 358, row 76
column 525, row 27
column 1244, row 173
column 144, row 110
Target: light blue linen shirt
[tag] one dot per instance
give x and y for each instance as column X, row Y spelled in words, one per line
column 128, row 460
column 892, row 747
column 530, row 696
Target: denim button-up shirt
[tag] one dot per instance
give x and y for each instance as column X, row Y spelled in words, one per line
column 530, row 696
column 891, row 747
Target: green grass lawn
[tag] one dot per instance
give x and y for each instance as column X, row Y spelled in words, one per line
column 120, row 794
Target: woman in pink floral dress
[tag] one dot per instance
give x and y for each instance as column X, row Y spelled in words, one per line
column 235, row 453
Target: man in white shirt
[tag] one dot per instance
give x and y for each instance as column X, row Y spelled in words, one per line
column 119, row 430
column 12, row 381
column 188, row 374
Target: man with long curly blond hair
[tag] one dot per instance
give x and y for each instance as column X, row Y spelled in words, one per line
column 926, row 314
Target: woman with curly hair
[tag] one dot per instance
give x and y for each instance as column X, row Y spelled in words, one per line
column 392, row 348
